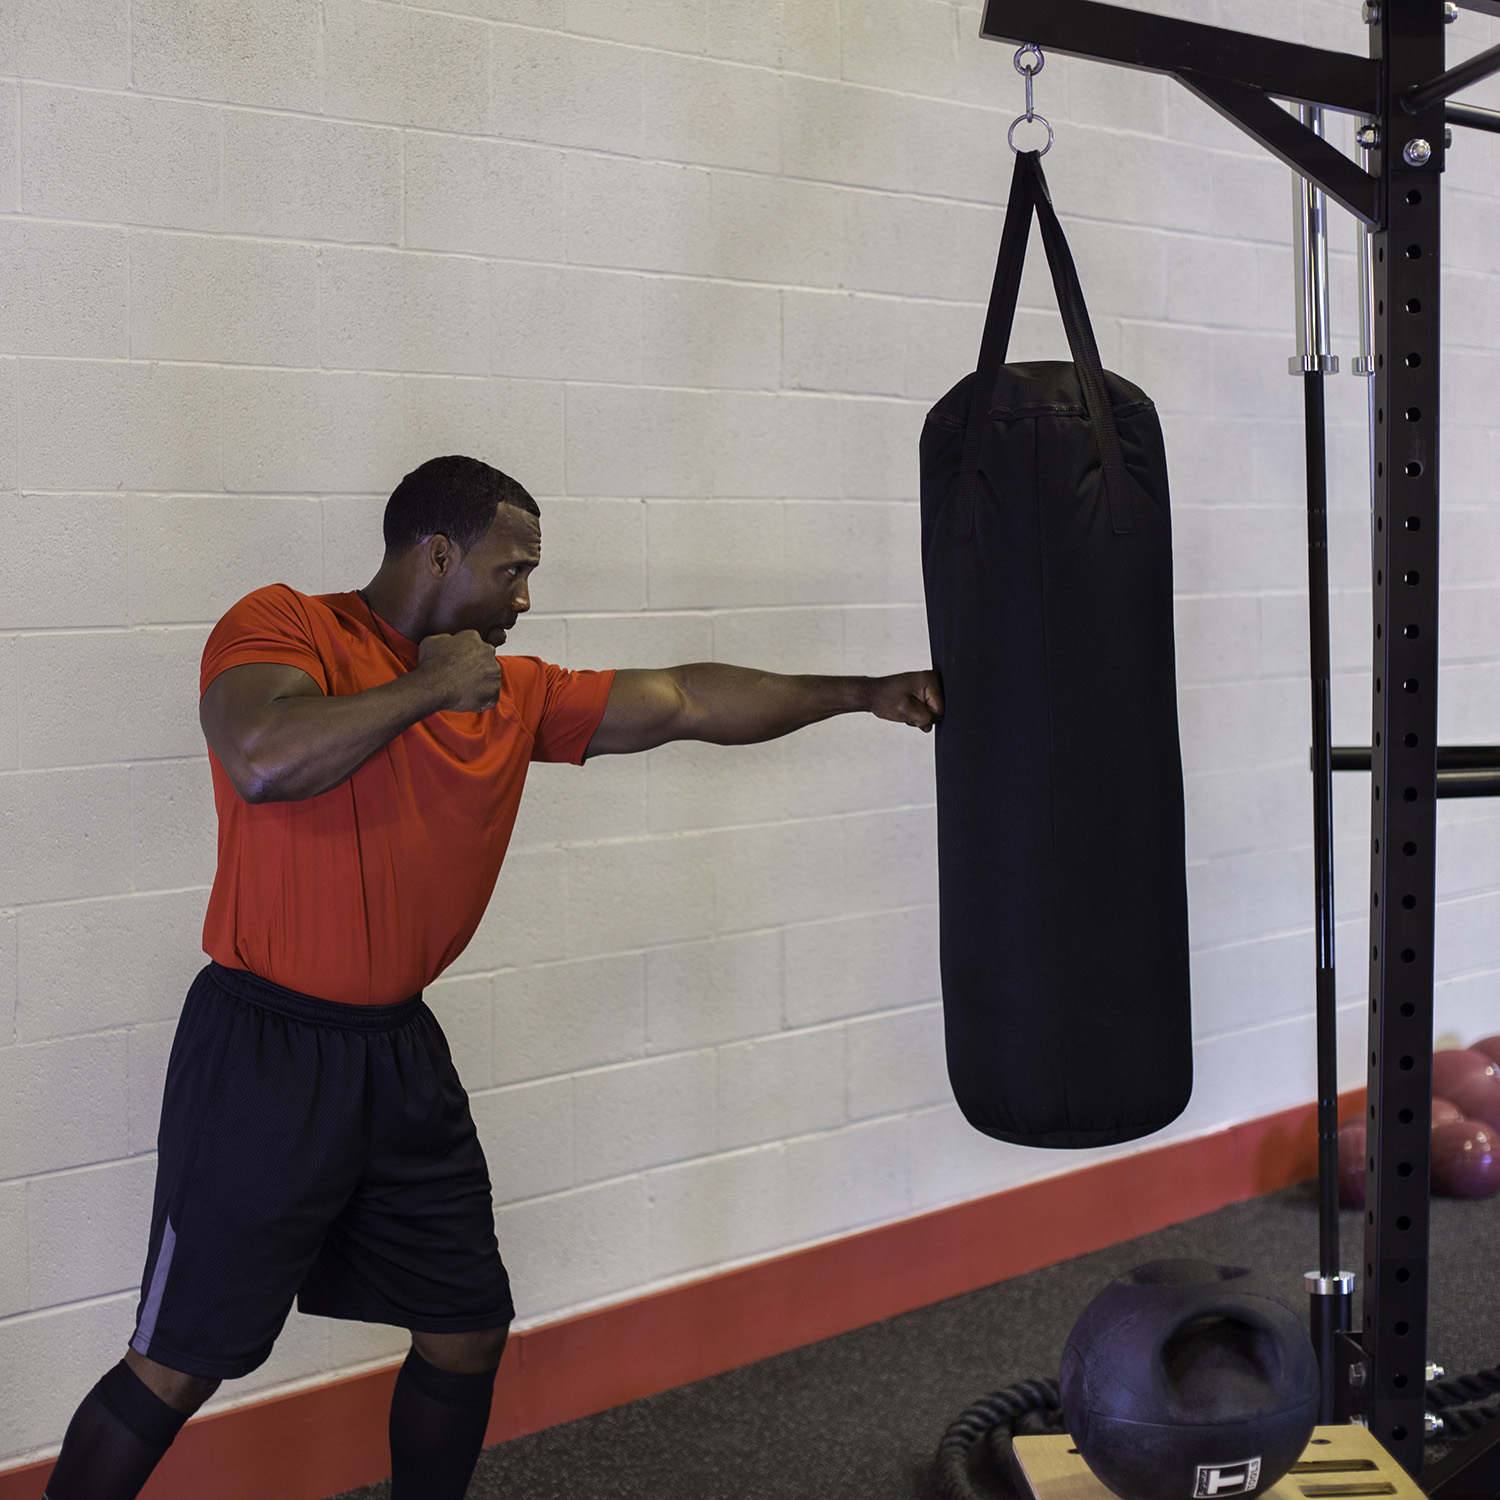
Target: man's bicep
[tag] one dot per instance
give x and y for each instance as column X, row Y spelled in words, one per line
column 234, row 704
column 645, row 709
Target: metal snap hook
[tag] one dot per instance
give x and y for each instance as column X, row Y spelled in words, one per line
column 1029, row 62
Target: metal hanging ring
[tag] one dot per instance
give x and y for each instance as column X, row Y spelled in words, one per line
column 1010, row 135
column 1030, row 49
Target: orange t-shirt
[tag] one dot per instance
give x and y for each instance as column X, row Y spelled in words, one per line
column 365, row 893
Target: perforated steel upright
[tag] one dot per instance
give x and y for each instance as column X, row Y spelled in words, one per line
column 1407, row 36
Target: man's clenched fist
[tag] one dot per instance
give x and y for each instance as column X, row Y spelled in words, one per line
column 914, row 698
column 463, row 669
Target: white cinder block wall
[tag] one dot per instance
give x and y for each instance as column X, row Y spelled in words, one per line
column 693, row 272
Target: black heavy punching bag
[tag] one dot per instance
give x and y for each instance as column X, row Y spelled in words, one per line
column 1047, row 558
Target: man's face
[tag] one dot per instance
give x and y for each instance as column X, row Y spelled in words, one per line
column 487, row 587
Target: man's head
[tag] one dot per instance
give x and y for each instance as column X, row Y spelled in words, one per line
column 463, row 538
column 455, row 497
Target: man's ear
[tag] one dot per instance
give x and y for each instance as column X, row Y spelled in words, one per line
column 440, row 554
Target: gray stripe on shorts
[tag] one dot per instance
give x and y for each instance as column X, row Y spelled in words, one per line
column 146, row 1329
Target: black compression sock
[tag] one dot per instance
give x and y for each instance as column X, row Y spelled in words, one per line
column 437, row 1429
column 116, row 1438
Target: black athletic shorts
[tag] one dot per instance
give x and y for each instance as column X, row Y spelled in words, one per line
column 311, row 1151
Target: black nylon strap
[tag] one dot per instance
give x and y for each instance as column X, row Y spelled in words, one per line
column 996, row 338
column 1002, row 309
column 1028, row 191
column 1080, row 331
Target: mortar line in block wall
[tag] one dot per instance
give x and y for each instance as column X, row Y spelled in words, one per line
column 870, row 190
column 67, row 1040
column 35, row 1315
column 494, row 27
column 323, row 72
column 1266, row 935
column 403, row 231
column 57, row 1308
column 737, row 934
column 214, row 497
column 996, row 203
column 52, row 1174
column 657, row 836
column 809, row 392
column 906, row 1008
column 175, row 626
column 132, row 815
column 19, row 122
column 645, row 1174
column 106, row 896
column 129, row 308
column 8, row 915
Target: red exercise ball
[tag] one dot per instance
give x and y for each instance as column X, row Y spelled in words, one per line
column 1465, row 1160
column 1352, row 1164
column 1490, row 1046
column 1445, row 1112
column 1471, row 1080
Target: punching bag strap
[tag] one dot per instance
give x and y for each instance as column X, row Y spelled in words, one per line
column 996, row 340
column 1028, row 191
column 1075, row 317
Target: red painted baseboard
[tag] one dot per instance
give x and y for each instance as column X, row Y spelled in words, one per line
column 331, row 1438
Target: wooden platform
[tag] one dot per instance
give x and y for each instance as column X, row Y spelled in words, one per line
column 1341, row 1463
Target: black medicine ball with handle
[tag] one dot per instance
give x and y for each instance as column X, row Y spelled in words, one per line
column 1184, row 1380
column 1047, row 560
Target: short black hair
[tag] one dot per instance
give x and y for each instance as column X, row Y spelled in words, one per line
column 455, row 497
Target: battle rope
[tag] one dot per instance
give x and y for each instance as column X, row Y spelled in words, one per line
column 1463, row 1390
column 1027, row 1408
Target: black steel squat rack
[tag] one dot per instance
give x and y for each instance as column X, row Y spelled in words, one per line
column 1375, row 1373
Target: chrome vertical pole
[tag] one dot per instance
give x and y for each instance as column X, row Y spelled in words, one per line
column 1364, row 362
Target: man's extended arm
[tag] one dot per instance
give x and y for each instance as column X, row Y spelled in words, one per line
column 740, row 706
column 280, row 739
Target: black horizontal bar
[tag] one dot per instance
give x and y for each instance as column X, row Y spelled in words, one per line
column 1468, row 784
column 1484, row 7
column 1164, row 44
column 1425, row 95
column 1462, row 770
column 1474, row 117
column 1449, row 758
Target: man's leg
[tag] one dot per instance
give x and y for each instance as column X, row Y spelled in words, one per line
column 439, row 1412
column 123, row 1427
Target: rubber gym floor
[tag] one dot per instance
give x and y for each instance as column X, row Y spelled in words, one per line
column 858, row 1417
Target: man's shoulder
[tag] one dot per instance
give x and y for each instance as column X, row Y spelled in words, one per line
column 534, row 677
column 280, row 602
column 279, row 624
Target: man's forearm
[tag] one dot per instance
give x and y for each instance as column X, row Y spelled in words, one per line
column 281, row 740
column 741, row 706
column 302, row 745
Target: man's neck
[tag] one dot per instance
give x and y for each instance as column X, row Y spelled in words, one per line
column 391, row 597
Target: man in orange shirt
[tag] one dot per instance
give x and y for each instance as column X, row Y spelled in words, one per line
column 368, row 753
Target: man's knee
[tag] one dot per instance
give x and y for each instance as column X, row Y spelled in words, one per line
column 184, row 1393
column 462, row 1353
